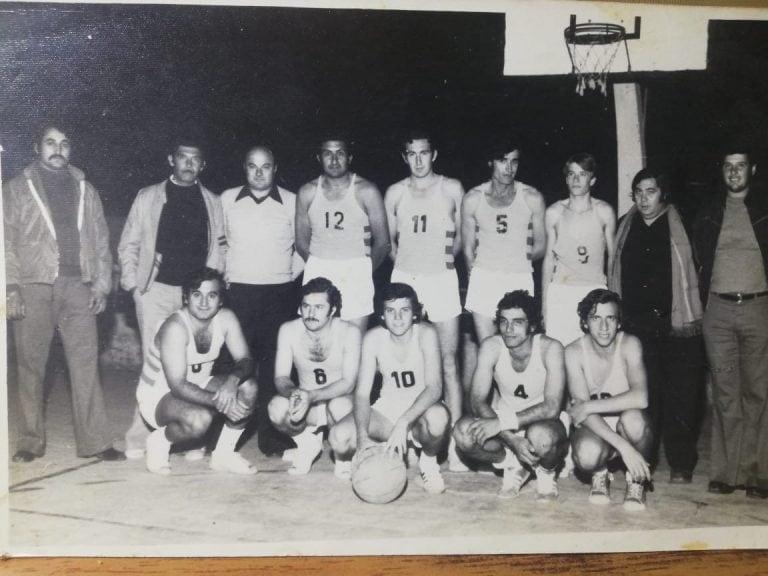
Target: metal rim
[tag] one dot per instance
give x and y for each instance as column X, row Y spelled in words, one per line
column 593, row 33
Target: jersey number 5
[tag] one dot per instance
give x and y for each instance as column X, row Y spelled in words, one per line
column 339, row 216
column 404, row 379
column 501, row 223
column 320, row 377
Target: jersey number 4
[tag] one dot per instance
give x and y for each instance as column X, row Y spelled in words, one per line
column 520, row 392
column 404, row 379
column 320, row 377
column 338, row 216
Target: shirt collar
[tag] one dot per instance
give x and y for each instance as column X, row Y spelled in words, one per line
column 245, row 192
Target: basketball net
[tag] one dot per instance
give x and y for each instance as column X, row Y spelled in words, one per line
column 591, row 64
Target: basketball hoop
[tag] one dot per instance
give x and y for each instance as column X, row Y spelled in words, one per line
column 592, row 48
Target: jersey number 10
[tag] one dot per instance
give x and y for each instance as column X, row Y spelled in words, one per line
column 404, row 379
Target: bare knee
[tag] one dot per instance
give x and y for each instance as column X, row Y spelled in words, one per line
column 196, row 423
column 590, row 453
column 278, row 410
column 342, row 438
column 434, row 422
column 548, row 438
column 461, row 435
column 248, row 392
column 339, row 407
column 634, row 425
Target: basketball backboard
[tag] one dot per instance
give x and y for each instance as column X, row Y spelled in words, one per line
column 672, row 37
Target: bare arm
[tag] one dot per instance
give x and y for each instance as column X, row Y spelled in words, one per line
column 608, row 216
column 377, row 218
column 351, row 360
column 537, row 207
column 469, row 227
column 456, row 193
column 284, row 361
column 302, row 225
column 554, row 387
column 173, row 339
column 551, row 218
column 433, row 382
column 391, row 200
column 365, row 378
column 237, row 346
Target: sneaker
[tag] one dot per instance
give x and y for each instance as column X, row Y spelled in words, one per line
column 430, row 475
column 310, row 447
column 158, row 453
column 634, row 496
column 600, row 494
column 513, row 481
column 194, row 455
column 342, row 469
column 289, row 454
column 546, row 485
column 134, row 453
column 231, row 462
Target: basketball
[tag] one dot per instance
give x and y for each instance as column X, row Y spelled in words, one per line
column 378, row 477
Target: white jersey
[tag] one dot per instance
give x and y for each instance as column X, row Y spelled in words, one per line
column 616, row 382
column 518, row 390
column 402, row 380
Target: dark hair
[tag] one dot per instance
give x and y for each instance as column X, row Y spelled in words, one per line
column 189, row 137
column 416, row 134
column 651, row 173
column 583, row 159
column 322, row 285
column 396, row 290
column 196, row 279
column 336, row 135
column 500, row 146
column 590, row 302
column 524, row 301
column 48, row 124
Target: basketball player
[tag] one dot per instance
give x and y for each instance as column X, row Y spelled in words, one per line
column 341, row 229
column 503, row 232
column 607, row 384
column 580, row 233
column 519, row 430
column 424, row 216
column 178, row 397
column 406, row 353
column 325, row 350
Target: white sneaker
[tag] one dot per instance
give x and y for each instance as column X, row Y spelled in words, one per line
column 158, row 453
column 546, row 485
column 513, row 481
column 135, row 453
column 231, row 462
column 430, row 474
column 634, row 496
column 309, row 448
column 342, row 469
column 194, row 455
column 289, row 454
column 600, row 493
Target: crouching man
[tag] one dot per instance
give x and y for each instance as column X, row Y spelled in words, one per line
column 177, row 395
column 519, row 431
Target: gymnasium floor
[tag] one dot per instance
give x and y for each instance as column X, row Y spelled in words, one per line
column 66, row 505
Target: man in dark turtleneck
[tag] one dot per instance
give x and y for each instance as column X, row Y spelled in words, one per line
column 58, row 274
column 174, row 228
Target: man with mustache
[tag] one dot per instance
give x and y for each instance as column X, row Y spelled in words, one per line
column 58, row 274
column 174, row 228
column 325, row 350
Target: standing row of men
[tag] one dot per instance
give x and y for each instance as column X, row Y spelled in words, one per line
column 344, row 230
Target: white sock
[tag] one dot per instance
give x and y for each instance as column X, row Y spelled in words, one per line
column 306, row 439
column 228, row 439
column 510, row 461
column 428, row 463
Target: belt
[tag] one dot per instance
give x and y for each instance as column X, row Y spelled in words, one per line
column 739, row 297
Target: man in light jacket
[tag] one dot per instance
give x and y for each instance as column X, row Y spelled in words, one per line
column 58, row 273
column 174, row 228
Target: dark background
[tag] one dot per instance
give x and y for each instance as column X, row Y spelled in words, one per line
column 127, row 78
